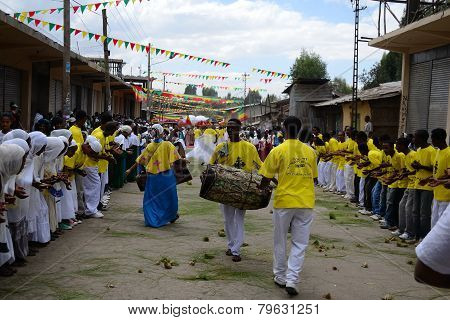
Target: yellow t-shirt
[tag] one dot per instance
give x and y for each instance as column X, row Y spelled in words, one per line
column 342, row 146
column 220, row 133
column 241, row 155
column 102, row 164
column 77, row 161
column 426, row 157
column 210, row 131
column 351, row 144
column 375, row 158
column 197, row 133
column 333, row 146
column 409, row 159
column 441, row 164
column 295, row 164
column 397, row 162
column 158, row 157
column 76, row 134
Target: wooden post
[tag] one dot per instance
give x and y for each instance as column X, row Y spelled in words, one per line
column 66, row 99
column 149, row 82
column 106, row 63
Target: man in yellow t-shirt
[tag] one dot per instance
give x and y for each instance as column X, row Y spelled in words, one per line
column 77, row 135
column 349, row 173
column 295, row 164
column 441, row 172
column 333, row 147
column 340, row 178
column 241, row 155
column 423, row 199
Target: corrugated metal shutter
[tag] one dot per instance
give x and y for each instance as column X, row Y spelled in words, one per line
column 419, row 96
column 55, row 96
column 12, row 86
column 2, row 89
column 439, row 94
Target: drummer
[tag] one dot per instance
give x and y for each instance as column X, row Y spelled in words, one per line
column 296, row 167
column 241, row 155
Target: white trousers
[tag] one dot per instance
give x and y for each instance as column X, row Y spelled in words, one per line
column 91, row 187
column 67, row 209
column 349, row 177
column 320, row 169
column 104, row 182
column 80, row 193
column 340, row 181
column 437, row 211
column 362, row 182
column 326, row 173
column 300, row 221
column 234, row 227
column 333, row 170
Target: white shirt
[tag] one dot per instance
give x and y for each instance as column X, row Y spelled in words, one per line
column 368, row 127
column 134, row 140
column 124, row 142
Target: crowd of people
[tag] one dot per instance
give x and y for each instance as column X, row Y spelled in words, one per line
column 403, row 184
column 64, row 170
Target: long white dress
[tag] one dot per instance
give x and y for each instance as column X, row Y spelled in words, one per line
column 204, row 147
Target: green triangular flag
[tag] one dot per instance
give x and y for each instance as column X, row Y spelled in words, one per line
column 126, row 2
column 71, row 30
column 126, row 44
column 83, row 8
column 108, row 40
column 29, row 19
column 60, row 9
column 51, row 26
column 199, row 59
column 104, row 4
column 17, row 15
column 142, row 48
column 157, row 51
column 91, row 35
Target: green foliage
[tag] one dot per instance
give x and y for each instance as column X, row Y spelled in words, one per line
column 253, row 96
column 209, row 92
column 271, row 98
column 309, row 65
column 387, row 70
column 190, row 89
column 341, row 86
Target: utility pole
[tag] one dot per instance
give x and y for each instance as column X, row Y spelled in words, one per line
column 149, row 82
column 106, row 61
column 66, row 99
column 245, row 75
column 355, row 68
column 164, row 83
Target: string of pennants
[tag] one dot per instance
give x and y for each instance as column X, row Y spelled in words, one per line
column 80, row 8
column 119, row 43
column 271, row 73
column 266, row 80
column 191, row 75
column 212, row 86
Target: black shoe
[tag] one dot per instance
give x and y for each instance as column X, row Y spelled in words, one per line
column 3, row 247
column 291, row 291
column 228, row 253
column 176, row 218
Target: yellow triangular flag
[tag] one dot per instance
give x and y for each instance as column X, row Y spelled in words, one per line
column 22, row 18
column 44, row 11
column 168, row 53
column 84, row 34
column 24, row 14
column 137, row 47
column 102, row 38
column 90, row 6
column 119, row 43
column 111, row 3
column 152, row 50
column 44, row 23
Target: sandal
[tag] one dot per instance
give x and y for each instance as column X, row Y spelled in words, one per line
column 236, row 258
column 228, row 253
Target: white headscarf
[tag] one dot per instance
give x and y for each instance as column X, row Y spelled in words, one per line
column 16, row 134
column 94, row 144
column 61, row 133
column 11, row 157
column 127, row 129
column 18, row 142
column 158, row 128
column 54, row 147
column 38, row 141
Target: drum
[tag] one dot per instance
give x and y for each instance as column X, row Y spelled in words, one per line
column 234, row 187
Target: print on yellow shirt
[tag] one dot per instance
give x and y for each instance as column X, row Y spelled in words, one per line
column 240, row 155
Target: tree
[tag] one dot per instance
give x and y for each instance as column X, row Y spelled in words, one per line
column 272, row 98
column 341, row 86
column 190, row 89
column 309, row 65
column 209, row 92
column 253, row 96
column 387, row 70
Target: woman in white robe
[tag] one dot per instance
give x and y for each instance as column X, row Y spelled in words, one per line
column 10, row 164
column 17, row 216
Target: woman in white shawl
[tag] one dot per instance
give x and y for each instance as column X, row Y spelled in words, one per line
column 55, row 148
column 11, row 163
column 17, row 134
column 34, row 203
column 17, row 215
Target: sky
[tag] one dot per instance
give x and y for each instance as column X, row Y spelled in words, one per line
column 264, row 34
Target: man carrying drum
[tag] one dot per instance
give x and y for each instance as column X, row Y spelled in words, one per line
column 241, row 155
column 296, row 167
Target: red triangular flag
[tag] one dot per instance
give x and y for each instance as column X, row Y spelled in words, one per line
column 118, row 2
column 96, row 36
column 31, row 13
column 162, row 51
column 132, row 45
column 75, row 9
column 36, row 22
column 115, row 41
column 52, row 10
column 57, row 27
column 97, row 5
column 77, row 31
column 147, row 48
